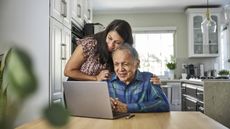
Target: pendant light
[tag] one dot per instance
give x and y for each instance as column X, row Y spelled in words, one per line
column 208, row 25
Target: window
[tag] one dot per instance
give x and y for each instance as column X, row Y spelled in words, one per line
column 155, row 49
column 225, row 51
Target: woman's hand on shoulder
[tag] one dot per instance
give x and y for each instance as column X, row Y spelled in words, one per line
column 155, row 80
column 103, row 75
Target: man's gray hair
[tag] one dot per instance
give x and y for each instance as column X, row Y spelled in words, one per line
column 133, row 52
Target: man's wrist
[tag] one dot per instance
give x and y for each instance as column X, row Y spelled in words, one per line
column 133, row 107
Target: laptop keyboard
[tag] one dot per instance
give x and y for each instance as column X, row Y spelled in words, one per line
column 115, row 114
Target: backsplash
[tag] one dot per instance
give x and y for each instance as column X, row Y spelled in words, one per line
column 209, row 64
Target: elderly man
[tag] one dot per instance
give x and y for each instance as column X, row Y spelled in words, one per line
column 130, row 89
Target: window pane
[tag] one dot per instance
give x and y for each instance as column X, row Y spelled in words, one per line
column 154, row 49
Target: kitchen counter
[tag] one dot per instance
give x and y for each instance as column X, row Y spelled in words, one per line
column 197, row 82
column 201, row 83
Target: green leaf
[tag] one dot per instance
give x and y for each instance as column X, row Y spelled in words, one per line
column 223, row 72
column 3, row 74
column 56, row 114
column 20, row 74
column 4, row 59
column 171, row 65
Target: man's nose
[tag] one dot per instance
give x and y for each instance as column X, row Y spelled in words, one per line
column 121, row 67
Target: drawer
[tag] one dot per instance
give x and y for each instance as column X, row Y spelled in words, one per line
column 191, row 90
column 191, row 104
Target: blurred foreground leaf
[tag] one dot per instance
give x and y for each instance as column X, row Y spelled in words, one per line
column 20, row 73
column 56, row 114
column 17, row 82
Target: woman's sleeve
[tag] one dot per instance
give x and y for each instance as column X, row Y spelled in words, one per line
column 88, row 46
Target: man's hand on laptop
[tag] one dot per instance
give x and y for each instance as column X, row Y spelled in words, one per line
column 118, row 106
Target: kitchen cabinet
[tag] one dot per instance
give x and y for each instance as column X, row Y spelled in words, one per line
column 60, row 46
column 202, row 44
column 81, row 11
column 192, row 97
column 60, row 52
column 77, row 12
column 62, row 13
column 60, row 10
column 216, row 100
column 88, row 13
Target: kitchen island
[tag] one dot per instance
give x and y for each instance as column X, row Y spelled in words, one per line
column 217, row 100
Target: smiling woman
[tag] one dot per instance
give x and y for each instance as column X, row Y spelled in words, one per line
column 92, row 59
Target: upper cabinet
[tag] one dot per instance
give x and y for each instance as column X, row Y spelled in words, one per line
column 81, row 11
column 202, row 44
column 77, row 11
column 60, row 10
column 88, row 13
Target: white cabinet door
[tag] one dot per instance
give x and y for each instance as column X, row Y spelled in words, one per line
column 60, row 10
column 77, row 11
column 60, row 53
column 88, row 11
column 65, row 49
column 200, row 44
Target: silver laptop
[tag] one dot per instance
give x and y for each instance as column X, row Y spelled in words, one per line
column 89, row 99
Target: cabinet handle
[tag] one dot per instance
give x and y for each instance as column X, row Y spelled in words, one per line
column 78, row 10
column 201, row 108
column 192, row 100
column 64, row 8
column 190, row 108
column 89, row 12
column 199, row 93
column 63, row 51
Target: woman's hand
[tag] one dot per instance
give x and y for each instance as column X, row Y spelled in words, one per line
column 155, row 80
column 103, row 75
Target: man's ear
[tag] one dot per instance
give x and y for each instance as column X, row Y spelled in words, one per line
column 138, row 63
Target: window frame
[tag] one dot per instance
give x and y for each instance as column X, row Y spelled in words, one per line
column 169, row 29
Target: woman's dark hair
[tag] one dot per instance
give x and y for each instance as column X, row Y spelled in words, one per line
column 123, row 29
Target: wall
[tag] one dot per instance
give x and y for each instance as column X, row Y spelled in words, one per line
column 26, row 24
column 173, row 19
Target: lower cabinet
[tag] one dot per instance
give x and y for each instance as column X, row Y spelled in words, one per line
column 192, row 97
column 60, row 40
column 173, row 92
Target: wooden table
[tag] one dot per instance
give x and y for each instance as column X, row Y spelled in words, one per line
column 169, row 120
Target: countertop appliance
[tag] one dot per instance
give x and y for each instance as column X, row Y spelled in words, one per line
column 191, row 71
column 92, row 28
column 76, row 33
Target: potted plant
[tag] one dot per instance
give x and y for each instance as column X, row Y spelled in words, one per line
column 223, row 72
column 171, row 65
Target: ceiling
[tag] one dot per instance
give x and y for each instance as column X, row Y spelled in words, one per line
column 107, row 6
